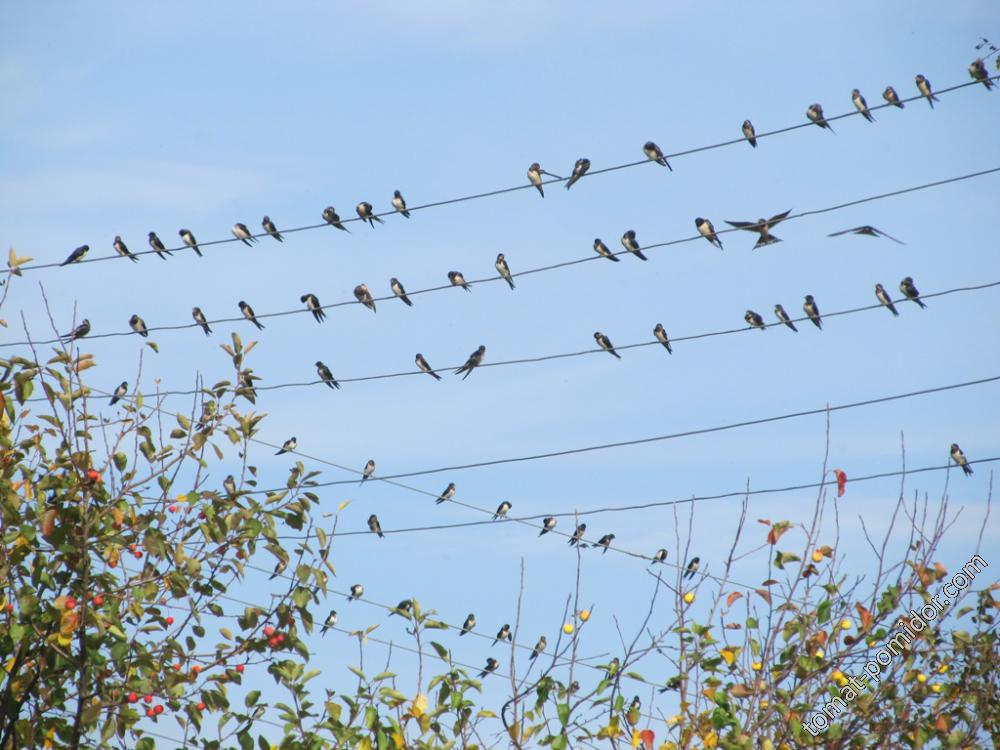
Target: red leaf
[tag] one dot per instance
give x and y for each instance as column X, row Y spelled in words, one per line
column 841, row 482
column 732, row 598
column 648, row 737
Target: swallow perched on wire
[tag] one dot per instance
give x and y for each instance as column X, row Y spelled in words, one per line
column 812, row 310
column 469, row 624
column 504, row 270
column 362, row 295
column 243, row 234
column 457, row 279
column 271, row 229
column 331, row 217
column 749, row 133
column 374, row 526
column 605, row 343
column 862, row 105
column 630, row 243
column 924, row 87
column 138, row 325
column 605, row 542
column 577, row 535
column 754, row 320
column 448, row 494
column 579, row 170
column 399, row 203
column 977, row 70
column 502, row 635
column 122, row 249
column 661, row 335
column 548, row 523
column 815, row 115
column 287, row 446
column 653, row 153
column 762, row 227
column 474, row 360
column 502, row 509
column 535, row 177
column 312, row 304
column 491, row 665
column 199, row 318
column 784, row 317
column 402, row 609
column 692, row 567
column 660, row 556
column 120, row 391
column 248, row 313
column 79, row 332
column 399, row 291
column 883, row 296
column 706, row 230
column 326, row 376
column 959, row 458
column 368, row 470
column 246, row 387
column 329, row 622
column 367, row 213
column 891, row 97
column 157, row 244
column 77, row 255
column 424, row 367
column 866, row 230
column 539, row 647
column 601, row 249
column 279, row 568
column 357, row 591
column 909, row 291
column 189, row 240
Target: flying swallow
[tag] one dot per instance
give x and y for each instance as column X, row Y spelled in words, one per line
column 749, row 133
column 424, row 367
column 279, row 568
column 357, row 591
column 368, row 470
column 502, row 509
column 362, row 295
column 784, row 317
column 762, row 227
column 924, row 87
column 312, row 304
column 271, row 229
column 579, row 170
column 577, row 535
column 692, row 567
column 660, row 556
column 367, row 213
column 882, row 296
column 330, row 217
column 457, row 279
column 891, row 97
column 977, row 69
column 502, row 635
column 157, row 244
column 812, row 310
column 448, row 494
column 402, row 609
column 605, row 343
column 474, row 360
column 326, row 376
column 491, row 665
column 287, row 446
column 605, row 541
column 959, row 458
column 229, row 485
column 249, row 314
column 138, row 325
column 79, row 332
column 661, row 336
column 706, row 230
column 754, row 320
column 862, row 105
column 399, row 203
column 503, row 269
column 469, row 624
column 539, row 647
column 535, row 177
column 119, row 392
column 867, row 230
column 243, row 234
column 630, row 243
column 653, row 153
column 374, row 526
column 908, row 289
column 199, row 318
column 548, row 523
column 189, row 240
column 601, row 249
column 122, row 249
column 399, row 291
column 815, row 115
column 329, row 622
column 77, row 255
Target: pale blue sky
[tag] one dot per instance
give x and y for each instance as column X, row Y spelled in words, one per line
column 123, row 118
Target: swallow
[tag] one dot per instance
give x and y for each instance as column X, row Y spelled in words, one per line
column 630, row 243
column 577, row 535
column 368, row 470
column 502, row 509
column 579, row 170
column 502, row 635
column 272, row 230
column 329, row 622
column 539, row 647
column 749, row 133
column 457, row 279
column 367, row 213
column 660, row 556
column 399, row 291
column 924, row 87
column 199, row 318
column 503, row 269
column 815, row 115
column 605, row 343
column 157, row 244
column 862, row 105
column 867, row 230
column 374, row 526
column 362, row 295
column 357, row 591
column 330, row 217
column 605, row 541
column 229, row 485
column 448, row 494
column 249, row 314
column 287, row 446
column 326, row 376
column 891, row 97
column 122, row 249
column 475, row 359
column 424, row 367
column 189, row 240
column 402, row 609
column 909, row 291
column 959, row 458
column 661, row 336
column 548, row 523
column 120, row 391
column 977, row 70
column 279, row 568
column 246, row 389
column 535, row 177
column 79, row 332
column 653, row 153
column 77, row 255
column 754, row 320
column 692, row 567
column 706, row 230
column 399, row 203
column 674, row 683
column 882, row 296
column 762, row 227
column 138, row 325
column 469, row 624
column 784, row 317
column 312, row 304
column 812, row 310
column 601, row 249
column 243, row 234
column 491, row 665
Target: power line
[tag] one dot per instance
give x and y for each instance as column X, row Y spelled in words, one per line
column 530, row 271
column 502, row 191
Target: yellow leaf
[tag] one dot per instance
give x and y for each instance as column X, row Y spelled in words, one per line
column 398, row 741
column 636, row 739
column 711, row 740
column 365, row 743
column 729, row 654
column 343, row 505
column 419, row 706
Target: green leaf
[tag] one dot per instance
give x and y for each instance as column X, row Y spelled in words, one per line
column 441, row 650
column 121, row 461
column 251, row 698
column 562, row 709
column 823, row 611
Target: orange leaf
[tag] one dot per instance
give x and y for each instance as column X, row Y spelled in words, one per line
column 866, row 617
column 648, row 738
column 49, row 522
column 764, row 594
column 777, row 531
column 841, row 482
column 733, row 597
column 764, row 521
column 942, row 724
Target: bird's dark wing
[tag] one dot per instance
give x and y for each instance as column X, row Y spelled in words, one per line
column 845, row 231
column 778, row 217
column 750, row 226
column 888, row 236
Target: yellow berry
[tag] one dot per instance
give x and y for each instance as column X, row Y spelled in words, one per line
column 584, row 615
column 921, row 677
column 568, row 628
column 936, row 688
column 756, row 666
column 817, row 556
column 689, row 597
column 845, row 624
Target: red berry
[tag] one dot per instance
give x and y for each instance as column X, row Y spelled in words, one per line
column 10, row 607
column 280, row 637
column 177, row 667
column 159, row 709
column 240, row 668
column 150, row 712
column 70, row 602
column 138, row 554
column 147, row 698
column 172, row 508
column 272, row 642
column 268, row 630
column 169, row 620
column 98, row 600
column 201, row 706
column 133, row 698
column 196, row 668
